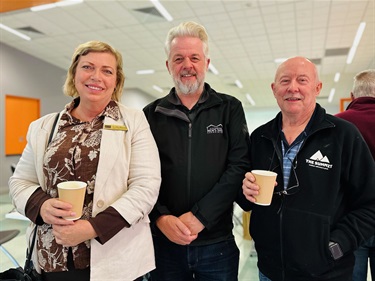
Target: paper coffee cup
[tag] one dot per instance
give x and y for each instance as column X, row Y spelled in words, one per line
column 73, row 192
column 266, row 182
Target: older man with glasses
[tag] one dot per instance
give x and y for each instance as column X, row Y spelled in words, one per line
column 322, row 211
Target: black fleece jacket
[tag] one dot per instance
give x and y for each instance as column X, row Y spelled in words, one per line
column 335, row 201
column 204, row 156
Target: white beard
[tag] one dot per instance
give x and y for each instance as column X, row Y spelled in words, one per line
column 186, row 89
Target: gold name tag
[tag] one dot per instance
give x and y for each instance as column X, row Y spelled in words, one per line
column 116, row 127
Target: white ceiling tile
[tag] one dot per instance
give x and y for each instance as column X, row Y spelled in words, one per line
column 245, row 38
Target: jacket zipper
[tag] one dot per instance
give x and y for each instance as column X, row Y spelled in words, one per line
column 190, row 132
column 281, row 238
column 283, row 198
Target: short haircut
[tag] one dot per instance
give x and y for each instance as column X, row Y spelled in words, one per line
column 364, row 84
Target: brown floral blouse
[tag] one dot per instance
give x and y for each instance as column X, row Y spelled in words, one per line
column 73, row 154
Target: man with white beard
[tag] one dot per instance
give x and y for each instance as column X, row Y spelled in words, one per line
column 203, row 144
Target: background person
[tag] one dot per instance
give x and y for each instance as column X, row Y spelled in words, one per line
column 361, row 112
column 120, row 166
column 323, row 206
column 202, row 138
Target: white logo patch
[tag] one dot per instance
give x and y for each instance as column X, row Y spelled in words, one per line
column 317, row 160
column 212, row 129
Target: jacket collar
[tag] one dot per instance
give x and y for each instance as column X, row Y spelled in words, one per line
column 361, row 103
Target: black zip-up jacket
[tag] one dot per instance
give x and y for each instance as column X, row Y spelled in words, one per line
column 204, row 156
column 335, row 201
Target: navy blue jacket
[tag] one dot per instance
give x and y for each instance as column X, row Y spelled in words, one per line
column 204, row 156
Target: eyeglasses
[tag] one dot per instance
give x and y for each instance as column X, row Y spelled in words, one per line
column 293, row 189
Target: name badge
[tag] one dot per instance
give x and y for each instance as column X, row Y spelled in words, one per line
column 115, row 127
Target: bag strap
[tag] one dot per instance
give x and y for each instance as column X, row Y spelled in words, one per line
column 53, row 127
column 27, row 266
column 29, row 252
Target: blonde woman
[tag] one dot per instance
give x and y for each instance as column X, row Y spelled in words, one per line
column 110, row 147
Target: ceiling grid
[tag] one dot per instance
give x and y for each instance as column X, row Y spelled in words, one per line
column 246, row 36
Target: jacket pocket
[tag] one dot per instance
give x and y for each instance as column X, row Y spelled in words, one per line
column 305, row 237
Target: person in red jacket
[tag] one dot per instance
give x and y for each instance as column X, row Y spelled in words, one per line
column 361, row 112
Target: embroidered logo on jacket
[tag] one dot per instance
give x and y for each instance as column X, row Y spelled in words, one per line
column 317, row 160
column 212, row 129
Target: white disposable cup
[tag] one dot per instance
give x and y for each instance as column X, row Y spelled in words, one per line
column 73, row 192
column 266, row 182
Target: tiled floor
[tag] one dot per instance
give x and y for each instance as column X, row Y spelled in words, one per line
column 17, row 246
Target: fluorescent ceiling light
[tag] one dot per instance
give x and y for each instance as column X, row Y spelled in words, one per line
column 357, row 38
column 15, row 32
column 337, row 77
column 331, row 94
column 213, row 69
column 43, row 7
column 238, row 83
column 54, row 5
column 157, row 88
column 161, row 10
column 250, row 99
column 68, row 3
column 145, row 71
column 280, row 60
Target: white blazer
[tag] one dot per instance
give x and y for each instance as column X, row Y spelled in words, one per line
column 128, row 179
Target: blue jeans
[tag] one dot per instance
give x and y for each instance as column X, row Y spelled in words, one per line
column 262, row 277
column 214, row 262
column 362, row 256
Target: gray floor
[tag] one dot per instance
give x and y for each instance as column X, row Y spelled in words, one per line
column 17, row 246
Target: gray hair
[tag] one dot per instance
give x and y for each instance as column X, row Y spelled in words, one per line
column 364, row 84
column 188, row 28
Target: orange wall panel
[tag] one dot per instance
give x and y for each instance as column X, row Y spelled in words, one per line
column 19, row 113
column 344, row 103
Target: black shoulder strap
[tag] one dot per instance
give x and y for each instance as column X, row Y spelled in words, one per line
column 53, row 127
column 28, row 265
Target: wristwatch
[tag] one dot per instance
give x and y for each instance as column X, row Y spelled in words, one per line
column 335, row 250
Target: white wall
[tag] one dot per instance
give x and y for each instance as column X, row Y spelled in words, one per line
column 135, row 98
column 256, row 117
